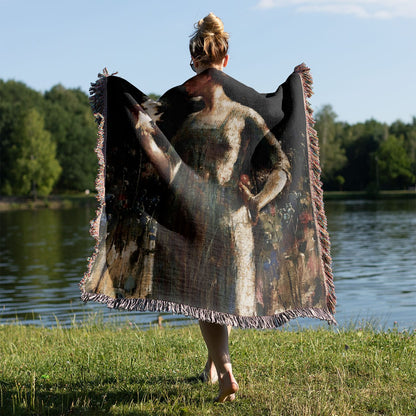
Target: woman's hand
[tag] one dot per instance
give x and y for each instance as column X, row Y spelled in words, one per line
column 139, row 118
column 153, row 142
column 249, row 199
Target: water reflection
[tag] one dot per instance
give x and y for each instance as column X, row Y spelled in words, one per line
column 373, row 246
column 43, row 257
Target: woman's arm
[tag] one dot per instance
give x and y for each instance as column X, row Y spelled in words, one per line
column 153, row 142
column 276, row 180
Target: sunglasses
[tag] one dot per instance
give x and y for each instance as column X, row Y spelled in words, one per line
column 191, row 64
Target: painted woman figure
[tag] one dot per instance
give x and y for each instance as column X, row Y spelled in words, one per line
column 218, row 143
column 210, row 172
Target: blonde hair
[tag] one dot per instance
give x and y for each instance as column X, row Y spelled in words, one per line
column 209, row 42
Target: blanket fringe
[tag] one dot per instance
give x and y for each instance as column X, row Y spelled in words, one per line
column 98, row 106
column 316, row 187
column 245, row 322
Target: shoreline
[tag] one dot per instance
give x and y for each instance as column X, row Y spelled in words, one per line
column 68, row 201
column 348, row 195
column 62, row 201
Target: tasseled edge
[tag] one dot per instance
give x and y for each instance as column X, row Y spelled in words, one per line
column 316, row 187
column 245, row 322
column 98, row 100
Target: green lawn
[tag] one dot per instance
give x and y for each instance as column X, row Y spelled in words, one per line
column 108, row 369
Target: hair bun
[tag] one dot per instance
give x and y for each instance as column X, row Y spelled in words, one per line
column 210, row 25
column 209, row 42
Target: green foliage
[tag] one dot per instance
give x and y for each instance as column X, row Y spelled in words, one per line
column 332, row 154
column 14, row 92
column 71, row 122
column 153, row 96
column 69, row 135
column 394, row 163
column 35, row 168
column 15, row 99
column 365, row 156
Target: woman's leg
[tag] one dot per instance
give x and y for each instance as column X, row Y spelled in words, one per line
column 216, row 339
column 209, row 374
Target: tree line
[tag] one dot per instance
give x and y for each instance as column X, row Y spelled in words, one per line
column 47, row 140
column 47, row 143
column 369, row 156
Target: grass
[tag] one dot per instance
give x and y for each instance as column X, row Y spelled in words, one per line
column 108, row 369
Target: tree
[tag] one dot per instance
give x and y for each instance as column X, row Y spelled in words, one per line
column 332, row 154
column 408, row 134
column 15, row 92
column 71, row 123
column 8, row 117
column 35, row 169
column 361, row 142
column 394, row 164
column 153, row 96
column 14, row 98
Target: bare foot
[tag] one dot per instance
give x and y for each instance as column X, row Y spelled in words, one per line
column 228, row 388
column 209, row 374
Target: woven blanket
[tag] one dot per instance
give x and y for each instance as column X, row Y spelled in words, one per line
column 210, row 202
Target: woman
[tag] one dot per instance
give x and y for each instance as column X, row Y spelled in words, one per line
column 216, row 144
column 199, row 214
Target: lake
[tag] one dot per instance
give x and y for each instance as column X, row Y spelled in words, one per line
column 43, row 257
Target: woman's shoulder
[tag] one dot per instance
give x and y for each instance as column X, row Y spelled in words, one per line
column 248, row 113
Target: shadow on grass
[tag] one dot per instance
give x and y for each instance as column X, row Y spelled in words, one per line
column 102, row 396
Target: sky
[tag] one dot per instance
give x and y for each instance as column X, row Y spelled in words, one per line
column 361, row 53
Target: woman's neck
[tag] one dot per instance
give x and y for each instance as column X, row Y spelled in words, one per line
column 203, row 67
column 215, row 100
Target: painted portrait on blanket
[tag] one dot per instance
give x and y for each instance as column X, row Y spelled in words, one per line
column 237, row 232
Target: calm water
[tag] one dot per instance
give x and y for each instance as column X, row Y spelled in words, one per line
column 43, row 257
